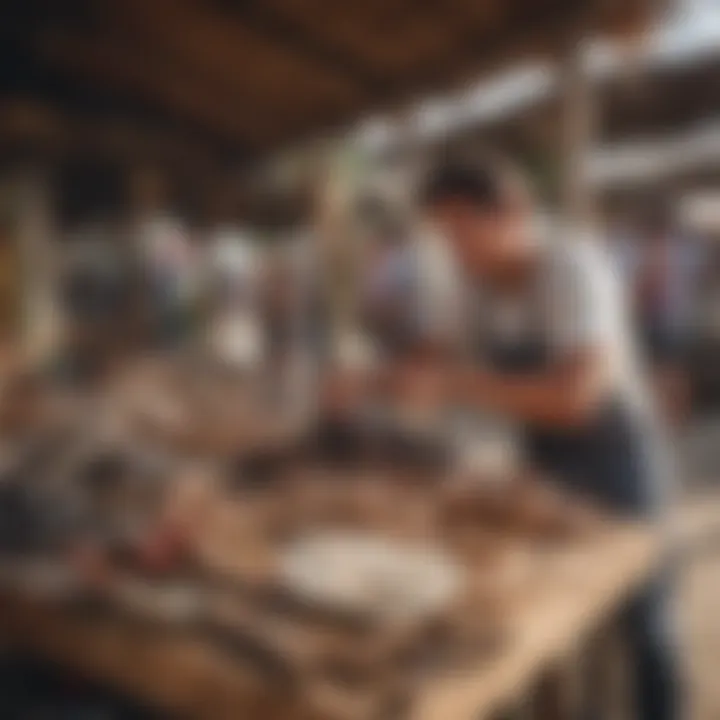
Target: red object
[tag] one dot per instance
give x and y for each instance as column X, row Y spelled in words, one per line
column 164, row 549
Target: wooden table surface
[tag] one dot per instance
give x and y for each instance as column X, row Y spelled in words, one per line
column 173, row 670
column 552, row 620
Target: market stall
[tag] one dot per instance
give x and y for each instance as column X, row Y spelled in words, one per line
column 203, row 563
column 174, row 530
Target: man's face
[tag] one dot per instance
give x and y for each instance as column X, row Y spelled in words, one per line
column 481, row 239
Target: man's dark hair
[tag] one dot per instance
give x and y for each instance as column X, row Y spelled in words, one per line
column 483, row 183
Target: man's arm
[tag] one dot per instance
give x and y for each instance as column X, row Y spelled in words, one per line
column 563, row 396
column 580, row 299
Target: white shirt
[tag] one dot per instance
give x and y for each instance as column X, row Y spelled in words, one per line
column 576, row 302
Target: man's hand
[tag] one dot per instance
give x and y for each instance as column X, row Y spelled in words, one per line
column 566, row 395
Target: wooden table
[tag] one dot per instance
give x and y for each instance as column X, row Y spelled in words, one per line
column 553, row 623
column 169, row 669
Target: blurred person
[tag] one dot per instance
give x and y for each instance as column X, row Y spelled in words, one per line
column 170, row 266
column 411, row 304
column 705, row 378
column 232, row 286
column 387, row 286
column 664, row 273
column 410, row 295
column 326, row 261
column 97, row 293
column 622, row 245
column 409, row 300
column 279, row 297
column 562, row 364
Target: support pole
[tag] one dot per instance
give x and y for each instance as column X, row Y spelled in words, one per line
column 35, row 233
column 577, row 128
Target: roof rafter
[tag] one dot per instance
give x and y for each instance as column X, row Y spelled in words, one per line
column 264, row 21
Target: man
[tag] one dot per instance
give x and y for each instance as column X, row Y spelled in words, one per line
column 561, row 364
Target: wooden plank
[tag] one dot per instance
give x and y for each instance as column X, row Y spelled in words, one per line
column 698, row 521
column 270, row 76
column 167, row 670
column 554, row 620
column 169, row 36
column 528, row 33
column 311, row 44
column 369, row 32
column 100, row 61
column 46, row 127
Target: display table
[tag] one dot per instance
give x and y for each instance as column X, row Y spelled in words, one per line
column 582, row 590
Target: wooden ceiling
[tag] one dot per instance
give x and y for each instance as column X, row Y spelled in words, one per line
column 250, row 76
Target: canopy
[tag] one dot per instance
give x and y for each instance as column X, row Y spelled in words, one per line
column 252, row 76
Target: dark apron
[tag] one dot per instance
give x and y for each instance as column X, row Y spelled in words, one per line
column 615, row 459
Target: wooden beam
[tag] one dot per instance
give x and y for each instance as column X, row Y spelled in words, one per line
column 173, row 39
column 540, row 30
column 126, row 68
column 256, row 79
column 528, row 31
column 27, row 122
column 531, row 30
column 319, row 51
column 41, row 127
column 267, row 76
column 36, row 230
